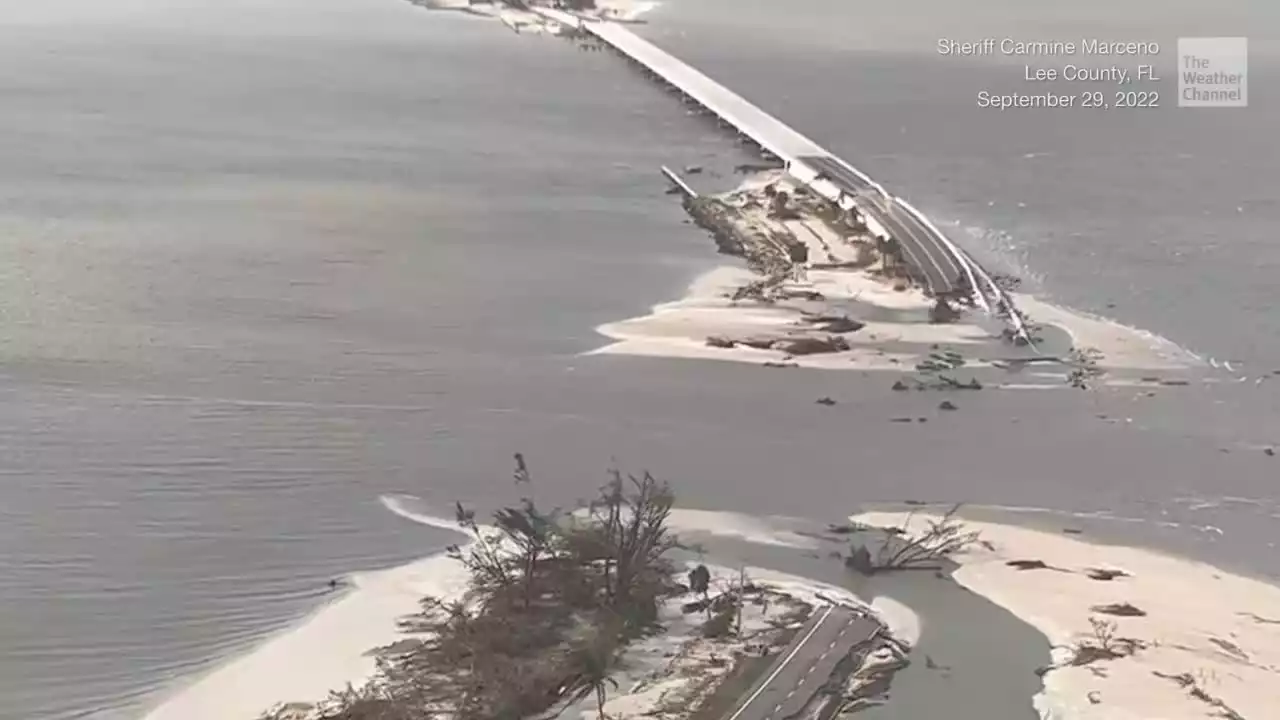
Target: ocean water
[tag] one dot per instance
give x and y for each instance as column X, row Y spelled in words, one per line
column 264, row 262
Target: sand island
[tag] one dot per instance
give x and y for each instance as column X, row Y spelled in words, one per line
column 603, row 612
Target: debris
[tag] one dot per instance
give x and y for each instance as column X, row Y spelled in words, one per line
column 825, row 401
column 860, row 560
column 845, row 529
column 719, row 341
column 1120, row 610
column 947, row 405
column 836, row 323
column 1105, row 574
column 1230, row 648
column 900, row 386
column 812, row 346
column 924, row 551
column 942, row 313
column 1028, row 564
column 812, row 295
column 747, row 168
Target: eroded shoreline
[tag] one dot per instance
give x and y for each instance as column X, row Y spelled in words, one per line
column 895, row 331
column 849, row 304
column 1135, row 633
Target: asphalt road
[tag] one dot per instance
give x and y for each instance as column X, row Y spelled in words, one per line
column 932, row 259
column 929, row 258
column 806, row 664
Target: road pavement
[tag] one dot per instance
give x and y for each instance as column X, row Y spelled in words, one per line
column 807, row 663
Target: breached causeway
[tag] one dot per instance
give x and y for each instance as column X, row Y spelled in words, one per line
column 940, row 266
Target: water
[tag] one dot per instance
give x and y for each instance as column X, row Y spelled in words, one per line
column 266, row 261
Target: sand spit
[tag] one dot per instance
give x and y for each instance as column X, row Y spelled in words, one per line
column 662, row 676
column 680, row 329
column 754, row 314
column 845, row 275
column 1137, row 635
column 326, row 651
column 665, row 675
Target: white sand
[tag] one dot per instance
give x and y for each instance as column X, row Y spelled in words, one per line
column 325, row 652
column 666, row 676
column 1188, row 606
column 680, row 328
column 1123, row 347
column 330, row 649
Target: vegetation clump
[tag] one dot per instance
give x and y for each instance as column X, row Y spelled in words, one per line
column 926, row 550
column 553, row 599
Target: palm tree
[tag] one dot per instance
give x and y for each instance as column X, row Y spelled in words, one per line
column 594, row 660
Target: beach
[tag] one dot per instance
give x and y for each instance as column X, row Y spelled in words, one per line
column 232, row 334
column 1190, row 640
column 295, row 672
column 325, row 652
column 1171, row 638
column 761, row 314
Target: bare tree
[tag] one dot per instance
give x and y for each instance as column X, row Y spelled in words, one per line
column 626, row 534
column 538, row 580
column 925, row 550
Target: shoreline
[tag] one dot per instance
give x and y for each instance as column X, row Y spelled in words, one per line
column 294, row 671
column 1135, row 633
column 1228, row 649
column 679, row 328
column 753, row 313
column 322, row 652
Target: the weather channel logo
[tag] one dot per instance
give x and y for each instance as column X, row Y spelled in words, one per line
column 1213, row 72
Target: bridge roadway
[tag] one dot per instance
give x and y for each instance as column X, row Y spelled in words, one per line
column 807, row 663
column 935, row 262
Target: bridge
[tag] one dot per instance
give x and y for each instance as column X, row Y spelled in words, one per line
column 941, row 267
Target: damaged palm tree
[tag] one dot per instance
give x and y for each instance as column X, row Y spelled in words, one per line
column 925, row 550
column 595, row 659
column 552, row 599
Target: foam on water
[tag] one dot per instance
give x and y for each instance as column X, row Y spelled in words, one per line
column 686, row 520
column 330, row 648
column 415, row 509
column 735, row 525
column 1103, row 515
column 999, row 250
